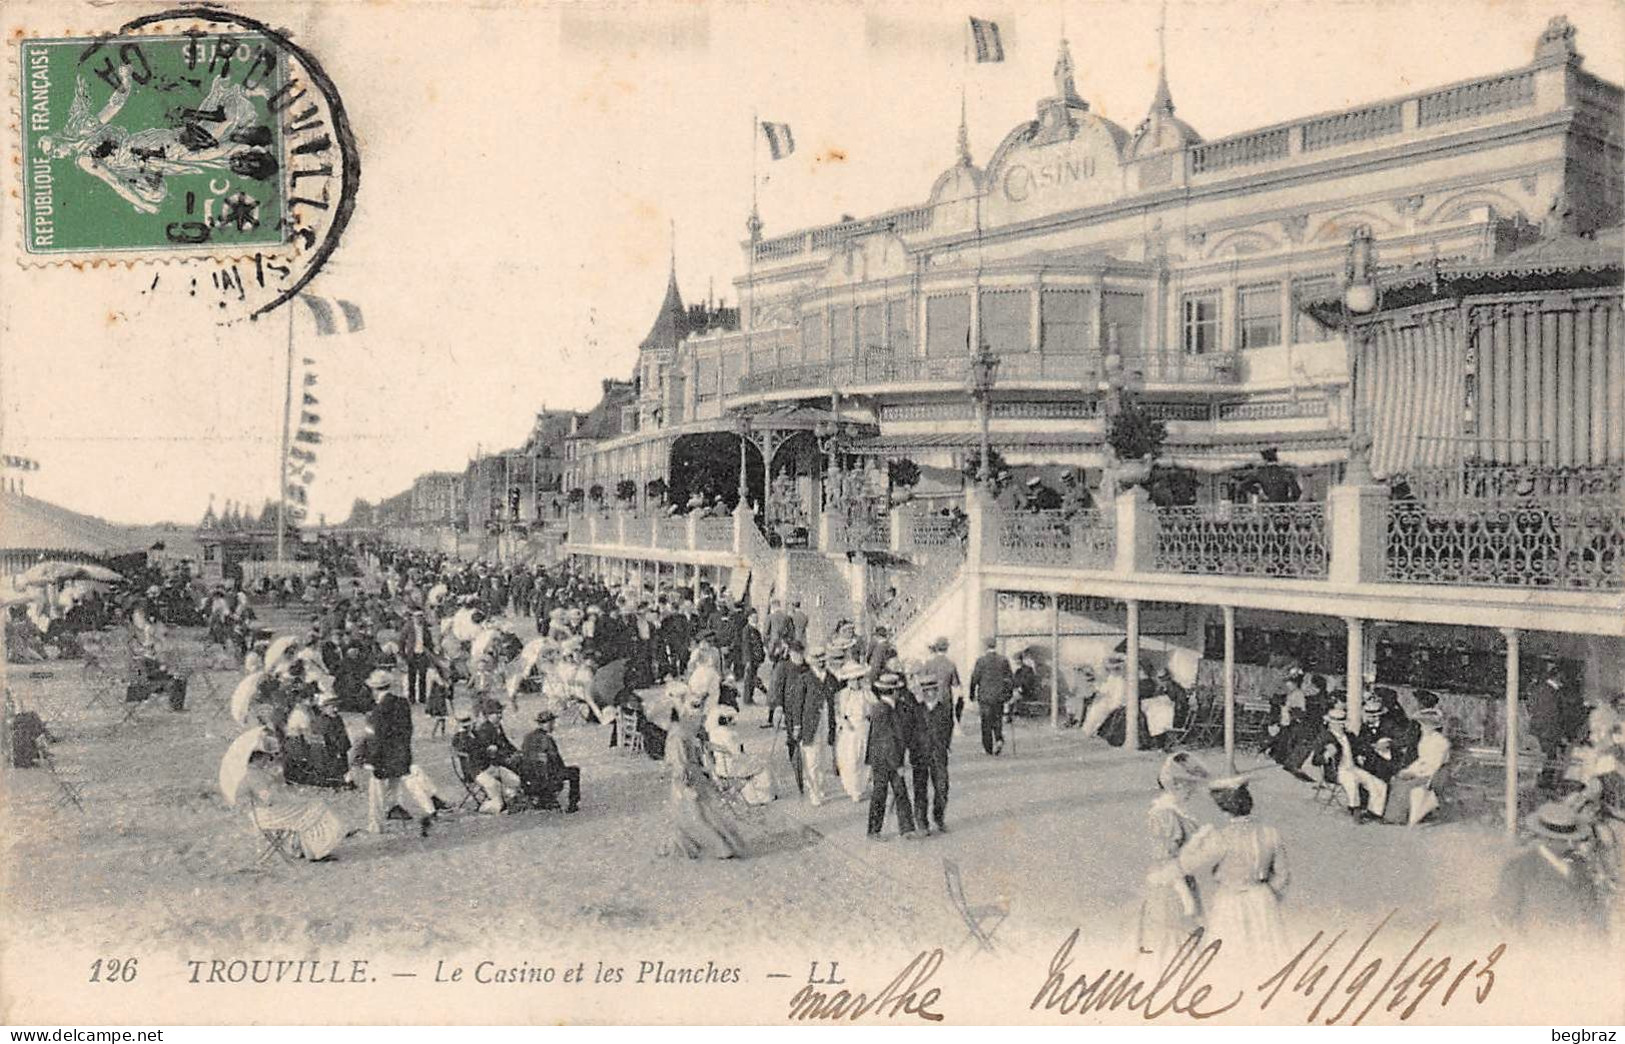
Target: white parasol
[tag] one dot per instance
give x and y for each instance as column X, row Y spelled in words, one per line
column 234, row 765
column 58, row 572
column 285, row 645
column 242, row 697
column 482, row 644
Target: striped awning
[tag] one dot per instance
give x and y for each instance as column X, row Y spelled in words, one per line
column 1410, row 391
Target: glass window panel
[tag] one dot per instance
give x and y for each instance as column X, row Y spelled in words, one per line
column 1258, row 316
column 1304, row 327
column 812, row 336
column 840, row 340
column 733, row 365
column 1125, row 322
column 947, row 325
column 900, row 325
column 871, row 328
column 705, row 377
column 1065, row 319
column 1199, row 317
column 1007, row 321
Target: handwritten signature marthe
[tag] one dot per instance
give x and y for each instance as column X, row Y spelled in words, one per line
column 1183, row 986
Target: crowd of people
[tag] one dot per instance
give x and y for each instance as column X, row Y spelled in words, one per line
column 391, row 632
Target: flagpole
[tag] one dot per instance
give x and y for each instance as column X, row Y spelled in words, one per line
column 282, row 459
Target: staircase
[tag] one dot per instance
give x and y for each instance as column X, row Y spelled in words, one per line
column 823, row 584
column 927, row 604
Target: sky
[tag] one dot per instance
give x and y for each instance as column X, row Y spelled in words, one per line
column 525, row 165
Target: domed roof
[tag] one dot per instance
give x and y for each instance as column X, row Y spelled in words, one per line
column 963, row 180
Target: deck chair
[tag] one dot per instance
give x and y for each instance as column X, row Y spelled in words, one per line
column 474, row 794
column 276, row 840
column 69, row 790
column 980, row 921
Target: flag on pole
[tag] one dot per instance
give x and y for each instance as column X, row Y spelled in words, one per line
column 312, row 437
column 327, row 324
column 985, row 35
column 780, row 142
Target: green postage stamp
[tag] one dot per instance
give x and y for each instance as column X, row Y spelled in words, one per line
column 153, row 144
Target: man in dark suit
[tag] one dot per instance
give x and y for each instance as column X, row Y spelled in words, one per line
column 542, row 770
column 885, row 757
column 754, row 648
column 389, row 752
column 417, row 646
column 930, row 755
column 1557, row 717
column 991, row 684
column 791, row 683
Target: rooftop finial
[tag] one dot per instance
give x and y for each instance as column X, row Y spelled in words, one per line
column 1163, row 102
column 1065, row 89
column 964, row 131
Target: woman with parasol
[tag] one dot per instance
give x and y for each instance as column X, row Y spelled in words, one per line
column 251, row 772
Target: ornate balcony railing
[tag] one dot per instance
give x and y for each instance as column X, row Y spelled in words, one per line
column 714, row 534
column 1573, row 542
column 671, row 532
column 935, row 531
column 864, row 527
column 1277, row 540
column 1467, row 100
column 1082, row 540
column 888, row 368
column 1241, row 151
column 1513, row 482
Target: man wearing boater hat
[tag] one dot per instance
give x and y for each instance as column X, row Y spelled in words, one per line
column 389, row 753
column 1550, row 886
column 887, row 746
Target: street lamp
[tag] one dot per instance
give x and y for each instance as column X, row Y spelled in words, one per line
column 1359, row 298
column 742, row 426
column 984, row 374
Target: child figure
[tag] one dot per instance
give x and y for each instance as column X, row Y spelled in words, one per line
column 441, row 695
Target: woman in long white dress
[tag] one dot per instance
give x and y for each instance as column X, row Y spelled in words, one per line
column 1172, row 909
column 1242, row 867
column 852, row 731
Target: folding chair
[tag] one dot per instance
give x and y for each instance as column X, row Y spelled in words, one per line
column 100, row 677
column 1329, row 796
column 474, row 794
column 69, row 791
column 278, row 841
column 628, row 730
column 981, row 921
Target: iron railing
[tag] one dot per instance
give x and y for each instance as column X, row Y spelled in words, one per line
column 915, row 589
column 1573, row 542
column 1276, row 540
column 1080, row 540
column 714, row 534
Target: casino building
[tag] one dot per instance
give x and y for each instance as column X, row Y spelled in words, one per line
column 1089, row 269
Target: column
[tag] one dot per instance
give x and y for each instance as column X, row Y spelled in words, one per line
column 1356, row 669
column 1131, row 673
column 1054, row 661
column 696, row 583
column 1512, row 635
column 1230, row 689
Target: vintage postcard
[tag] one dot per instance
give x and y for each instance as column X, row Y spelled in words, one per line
column 813, row 513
